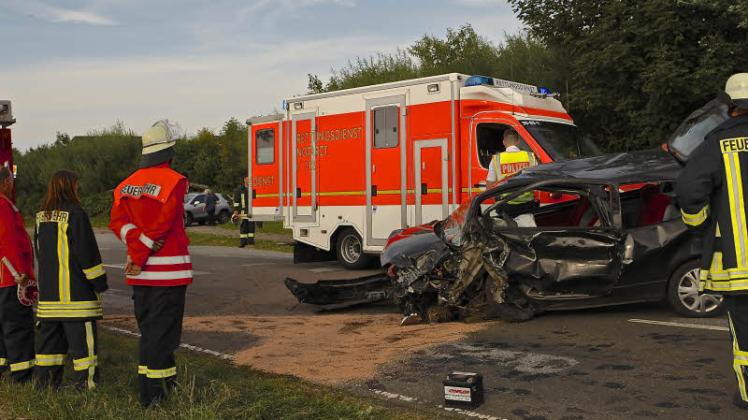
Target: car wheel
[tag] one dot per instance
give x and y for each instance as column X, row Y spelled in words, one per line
column 224, row 217
column 684, row 297
column 350, row 250
column 188, row 219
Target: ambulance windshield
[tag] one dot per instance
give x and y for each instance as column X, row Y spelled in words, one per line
column 560, row 141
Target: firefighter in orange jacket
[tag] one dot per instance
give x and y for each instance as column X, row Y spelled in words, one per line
column 147, row 216
column 16, row 266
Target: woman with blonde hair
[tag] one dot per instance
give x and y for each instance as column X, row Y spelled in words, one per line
column 71, row 277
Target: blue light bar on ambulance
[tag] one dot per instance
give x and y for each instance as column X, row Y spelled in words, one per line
column 501, row 83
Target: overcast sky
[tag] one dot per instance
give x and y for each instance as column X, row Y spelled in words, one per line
column 80, row 65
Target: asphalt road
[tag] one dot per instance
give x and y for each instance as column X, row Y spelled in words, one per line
column 636, row 361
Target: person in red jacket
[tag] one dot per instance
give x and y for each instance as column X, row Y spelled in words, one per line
column 147, row 215
column 16, row 267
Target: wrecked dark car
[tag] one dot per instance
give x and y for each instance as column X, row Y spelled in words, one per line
column 607, row 233
column 612, row 236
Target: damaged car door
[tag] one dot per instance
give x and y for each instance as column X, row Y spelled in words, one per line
column 563, row 251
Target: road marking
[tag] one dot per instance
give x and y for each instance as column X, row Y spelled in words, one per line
column 405, row 398
column 324, row 269
column 118, row 266
column 680, row 325
column 393, row 396
column 469, row 413
column 117, row 291
column 214, row 353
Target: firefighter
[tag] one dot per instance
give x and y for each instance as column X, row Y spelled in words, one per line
column 507, row 163
column 147, row 215
column 70, row 279
column 710, row 192
column 16, row 256
column 241, row 213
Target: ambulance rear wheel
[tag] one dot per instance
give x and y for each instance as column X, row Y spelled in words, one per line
column 350, row 250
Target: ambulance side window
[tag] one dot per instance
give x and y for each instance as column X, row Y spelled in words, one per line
column 265, row 146
column 386, row 127
column 489, row 142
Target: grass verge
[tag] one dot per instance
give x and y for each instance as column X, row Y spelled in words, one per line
column 209, row 389
column 200, row 238
column 267, row 227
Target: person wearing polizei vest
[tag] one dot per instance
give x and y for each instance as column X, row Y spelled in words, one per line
column 507, row 163
column 241, row 213
column 147, row 215
column 71, row 277
column 711, row 192
column 16, row 267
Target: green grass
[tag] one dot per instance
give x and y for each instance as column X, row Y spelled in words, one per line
column 267, row 227
column 208, row 389
column 200, row 238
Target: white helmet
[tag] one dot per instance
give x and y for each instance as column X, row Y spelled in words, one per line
column 737, row 88
column 162, row 135
column 158, row 142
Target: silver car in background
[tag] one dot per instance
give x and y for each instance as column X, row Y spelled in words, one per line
column 194, row 209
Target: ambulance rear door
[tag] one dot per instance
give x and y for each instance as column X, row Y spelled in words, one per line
column 303, row 160
column 266, row 171
column 386, row 154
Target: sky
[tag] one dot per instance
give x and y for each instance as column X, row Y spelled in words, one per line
column 74, row 66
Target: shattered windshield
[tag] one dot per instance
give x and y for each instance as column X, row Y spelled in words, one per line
column 560, row 141
column 692, row 131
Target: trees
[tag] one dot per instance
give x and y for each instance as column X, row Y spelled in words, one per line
column 521, row 58
column 636, row 69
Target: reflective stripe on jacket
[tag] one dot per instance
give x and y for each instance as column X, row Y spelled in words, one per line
column 152, row 211
column 70, row 269
column 712, row 195
column 241, row 201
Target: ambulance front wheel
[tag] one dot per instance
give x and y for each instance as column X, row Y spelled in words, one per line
column 350, row 250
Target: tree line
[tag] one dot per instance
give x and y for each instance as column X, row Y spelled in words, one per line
column 627, row 70
column 104, row 158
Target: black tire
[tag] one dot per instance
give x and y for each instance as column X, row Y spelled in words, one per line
column 224, row 217
column 188, row 219
column 349, row 250
column 683, row 296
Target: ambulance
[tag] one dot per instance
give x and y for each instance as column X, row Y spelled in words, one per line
column 344, row 169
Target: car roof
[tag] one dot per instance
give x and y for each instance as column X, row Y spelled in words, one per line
column 192, row 194
column 618, row 168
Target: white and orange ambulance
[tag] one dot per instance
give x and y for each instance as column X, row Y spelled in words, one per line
column 344, row 169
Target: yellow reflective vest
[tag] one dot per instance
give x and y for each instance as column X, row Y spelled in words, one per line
column 509, row 163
